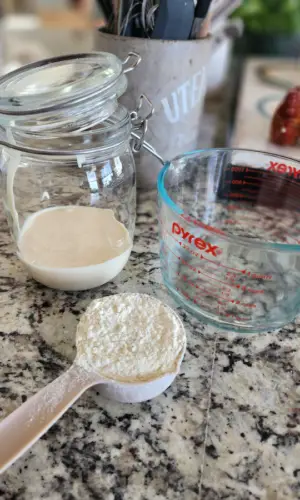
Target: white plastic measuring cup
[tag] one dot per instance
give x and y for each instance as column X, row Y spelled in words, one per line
column 23, row 427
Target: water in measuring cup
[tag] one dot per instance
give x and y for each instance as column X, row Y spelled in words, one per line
column 238, row 284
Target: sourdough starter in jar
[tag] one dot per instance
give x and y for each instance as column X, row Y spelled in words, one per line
column 74, row 247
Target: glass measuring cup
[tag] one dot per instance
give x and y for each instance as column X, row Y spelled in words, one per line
column 229, row 237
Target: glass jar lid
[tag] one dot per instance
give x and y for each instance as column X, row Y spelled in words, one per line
column 61, row 82
column 108, row 136
column 68, row 105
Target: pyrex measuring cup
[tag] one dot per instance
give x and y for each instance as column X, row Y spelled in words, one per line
column 230, row 234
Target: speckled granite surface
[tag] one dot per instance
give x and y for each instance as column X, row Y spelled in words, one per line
column 229, row 427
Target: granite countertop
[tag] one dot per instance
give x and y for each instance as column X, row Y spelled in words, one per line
column 229, row 426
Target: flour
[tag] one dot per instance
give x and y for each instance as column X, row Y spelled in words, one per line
column 130, row 337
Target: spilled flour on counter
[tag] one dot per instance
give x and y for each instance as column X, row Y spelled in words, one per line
column 130, row 337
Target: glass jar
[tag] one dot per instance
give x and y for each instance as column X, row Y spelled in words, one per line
column 66, row 145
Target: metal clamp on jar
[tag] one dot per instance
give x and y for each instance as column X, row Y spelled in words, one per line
column 66, row 151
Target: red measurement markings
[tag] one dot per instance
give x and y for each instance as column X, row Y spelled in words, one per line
column 197, row 287
column 223, row 312
column 204, row 291
column 184, row 262
column 241, row 195
column 265, row 277
column 188, row 249
column 209, row 260
column 186, row 295
column 241, row 182
column 180, row 258
column 247, row 183
column 236, row 169
column 234, row 207
column 177, row 256
column 221, row 299
column 246, row 190
column 219, row 281
column 234, row 316
column 219, row 264
column 236, row 195
column 211, row 288
column 253, row 178
column 198, row 242
column 239, row 168
column 198, row 223
column 192, row 252
column 244, row 271
column 252, row 290
column 229, row 221
column 242, row 304
column 184, row 246
column 209, row 268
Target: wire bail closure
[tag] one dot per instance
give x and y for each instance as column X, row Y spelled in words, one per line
column 139, row 122
column 135, row 58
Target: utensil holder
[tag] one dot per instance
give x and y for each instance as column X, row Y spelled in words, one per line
column 173, row 76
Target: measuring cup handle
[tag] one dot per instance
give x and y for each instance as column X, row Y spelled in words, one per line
column 24, row 426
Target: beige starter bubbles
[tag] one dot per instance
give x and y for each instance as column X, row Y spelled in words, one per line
column 74, row 247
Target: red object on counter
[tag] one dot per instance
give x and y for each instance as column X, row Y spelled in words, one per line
column 285, row 126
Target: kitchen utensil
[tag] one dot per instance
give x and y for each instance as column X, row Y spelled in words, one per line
column 230, row 234
column 174, row 19
column 61, row 119
column 201, row 11
column 107, row 9
column 118, row 14
column 223, row 9
column 139, row 17
column 127, row 18
column 135, row 19
column 24, row 426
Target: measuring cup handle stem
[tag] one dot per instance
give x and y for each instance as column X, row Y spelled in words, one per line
column 23, row 427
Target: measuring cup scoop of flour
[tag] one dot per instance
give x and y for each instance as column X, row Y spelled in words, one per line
column 128, row 345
